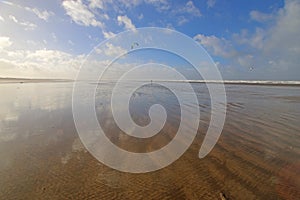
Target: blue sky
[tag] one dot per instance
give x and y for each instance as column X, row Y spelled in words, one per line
column 50, row 38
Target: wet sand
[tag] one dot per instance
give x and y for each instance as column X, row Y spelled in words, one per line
column 256, row 157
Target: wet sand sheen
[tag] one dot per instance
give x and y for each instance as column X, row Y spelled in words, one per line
column 256, row 157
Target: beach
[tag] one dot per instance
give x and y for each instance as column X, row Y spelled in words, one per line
column 256, row 157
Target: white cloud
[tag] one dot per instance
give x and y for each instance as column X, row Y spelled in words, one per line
column 1, row 18
column 160, row 5
column 210, row 3
column 170, row 26
column 273, row 51
column 32, row 43
column 285, row 33
column 80, row 13
column 129, row 3
column 126, row 22
column 256, row 40
column 281, row 43
column 44, row 15
column 112, row 50
column 13, row 18
column 108, row 34
column 189, row 8
column 93, row 12
column 122, row 6
column 8, row 3
column 39, row 63
column 182, row 20
column 281, row 40
column 217, row 46
column 105, row 16
column 5, row 42
column 96, row 4
column 45, row 55
column 260, row 17
column 192, row 9
column 27, row 25
column 71, row 42
column 183, row 13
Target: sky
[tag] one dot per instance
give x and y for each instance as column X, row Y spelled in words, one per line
column 248, row 40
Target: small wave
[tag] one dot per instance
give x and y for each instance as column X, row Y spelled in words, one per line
column 239, row 82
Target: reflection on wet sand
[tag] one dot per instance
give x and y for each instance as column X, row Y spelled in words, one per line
column 257, row 156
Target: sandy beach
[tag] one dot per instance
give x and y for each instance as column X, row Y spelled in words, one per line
column 256, row 157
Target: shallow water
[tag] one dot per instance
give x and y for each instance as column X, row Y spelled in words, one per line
column 256, row 157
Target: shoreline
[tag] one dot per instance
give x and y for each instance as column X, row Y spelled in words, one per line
column 226, row 82
column 28, row 80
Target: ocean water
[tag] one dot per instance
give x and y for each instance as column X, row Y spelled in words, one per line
column 256, row 157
